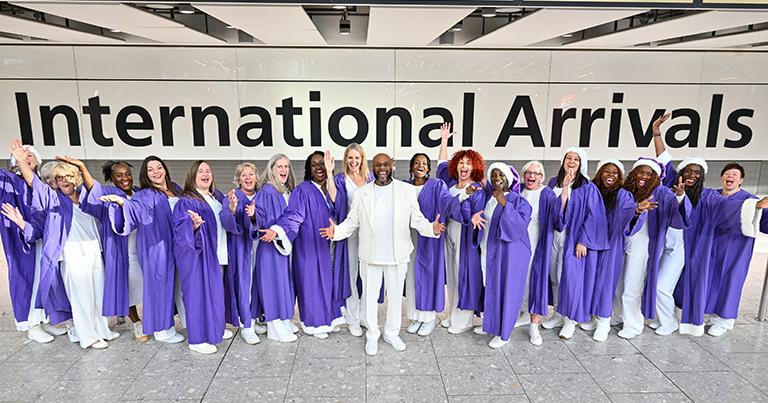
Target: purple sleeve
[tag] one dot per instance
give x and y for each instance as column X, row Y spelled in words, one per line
column 43, row 197
column 624, row 216
column 592, row 234
column 294, row 214
column 340, row 208
column 515, row 217
column 476, row 204
column 442, row 172
column 448, row 205
column 187, row 242
column 764, row 223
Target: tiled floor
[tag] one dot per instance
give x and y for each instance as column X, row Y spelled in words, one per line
column 442, row 367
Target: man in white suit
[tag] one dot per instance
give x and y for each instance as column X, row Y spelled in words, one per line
column 384, row 211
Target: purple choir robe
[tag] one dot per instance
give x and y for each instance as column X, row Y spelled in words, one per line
column 549, row 221
column 610, row 262
column 712, row 212
column 238, row 289
column 429, row 268
column 201, row 276
column 507, row 259
column 149, row 213
column 315, row 281
column 470, row 269
column 18, row 254
column 273, row 294
column 729, row 264
column 114, row 246
column 764, row 223
column 584, row 221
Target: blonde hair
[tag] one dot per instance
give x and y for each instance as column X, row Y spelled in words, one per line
column 239, row 171
column 269, row 177
column 363, row 160
column 46, row 173
column 65, row 168
column 532, row 163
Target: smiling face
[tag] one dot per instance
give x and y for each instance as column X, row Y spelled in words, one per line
column 464, row 170
column 533, row 177
column 317, row 167
column 203, row 178
column 572, row 162
column 731, row 180
column 282, row 169
column 122, row 177
column 247, row 180
column 643, row 174
column 354, row 161
column 499, row 180
column 382, row 168
column 31, row 161
column 420, row 167
column 67, row 178
column 609, row 175
column 691, row 174
column 156, row 173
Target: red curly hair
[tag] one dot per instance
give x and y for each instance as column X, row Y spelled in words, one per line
column 475, row 159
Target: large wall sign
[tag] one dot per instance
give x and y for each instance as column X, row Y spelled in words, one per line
column 248, row 103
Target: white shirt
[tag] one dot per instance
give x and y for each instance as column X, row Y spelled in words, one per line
column 418, row 189
column 172, row 201
column 221, row 236
column 350, row 185
column 533, row 197
column 383, row 221
column 83, row 237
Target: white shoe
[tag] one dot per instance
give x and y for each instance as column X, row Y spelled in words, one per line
column 628, row 334
column 716, row 330
column 320, row 335
column 227, row 334
column 693, row 330
column 553, row 322
column 173, row 338
column 655, row 324
column 569, row 326
column 666, row 330
column 203, row 348
column 588, row 326
column 371, row 346
column 497, row 342
column 289, row 338
column 478, row 330
column 99, row 345
column 396, row 342
column 413, row 327
column 294, row 328
column 602, row 329
column 54, row 330
column 427, row 328
column 249, row 335
column 533, row 333
column 262, row 329
column 36, row 333
column 446, row 323
column 459, row 331
column 523, row 319
column 355, row 329
column 113, row 335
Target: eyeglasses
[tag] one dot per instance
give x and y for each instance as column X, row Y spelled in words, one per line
column 531, row 173
column 68, row 178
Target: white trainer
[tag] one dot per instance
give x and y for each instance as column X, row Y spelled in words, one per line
column 36, row 333
column 413, row 327
column 249, row 335
column 396, row 342
column 533, row 333
column 203, row 348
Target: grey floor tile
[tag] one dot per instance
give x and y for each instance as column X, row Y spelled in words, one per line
column 328, row 377
column 266, row 359
column 86, row 390
column 405, row 388
column 678, row 397
column 16, row 391
column 26, row 381
column 488, row 399
column 478, row 376
column 337, row 345
column 679, row 355
column 716, row 387
column 323, row 400
column 757, row 331
column 189, row 384
column 247, row 389
column 391, row 362
column 8, row 350
column 563, row 388
column 551, row 357
column 60, row 349
column 14, row 338
column 582, row 344
column 751, row 367
column 108, row 366
column 464, row 344
column 735, row 341
column 626, row 373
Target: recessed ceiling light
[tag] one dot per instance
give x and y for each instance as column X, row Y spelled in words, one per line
column 345, row 26
column 509, row 10
column 567, row 35
column 489, row 12
column 458, row 27
column 186, row 9
column 160, row 6
column 231, row 27
column 339, row 7
column 115, row 30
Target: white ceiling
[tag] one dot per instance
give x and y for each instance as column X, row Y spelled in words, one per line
column 392, row 26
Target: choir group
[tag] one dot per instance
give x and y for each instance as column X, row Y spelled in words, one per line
column 646, row 246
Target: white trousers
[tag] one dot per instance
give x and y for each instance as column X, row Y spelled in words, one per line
column 394, row 277
column 355, row 307
column 36, row 316
column 629, row 292
column 410, row 288
column 670, row 268
column 460, row 319
column 556, row 263
column 178, row 298
column 279, row 329
column 83, row 275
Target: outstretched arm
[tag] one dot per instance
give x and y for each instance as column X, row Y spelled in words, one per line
column 445, row 134
column 658, row 142
column 18, row 151
column 87, row 178
column 330, row 183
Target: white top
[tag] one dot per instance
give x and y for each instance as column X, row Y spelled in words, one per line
column 132, row 253
column 533, row 197
column 172, row 201
column 351, row 187
column 418, row 189
column 83, row 237
column 221, row 236
column 383, row 220
column 287, row 197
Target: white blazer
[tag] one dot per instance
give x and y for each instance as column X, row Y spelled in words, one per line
column 407, row 214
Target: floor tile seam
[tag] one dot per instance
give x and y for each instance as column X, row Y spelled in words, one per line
column 437, row 362
column 57, row 378
column 139, row 373
column 293, row 365
column 737, row 373
column 223, row 356
column 663, row 373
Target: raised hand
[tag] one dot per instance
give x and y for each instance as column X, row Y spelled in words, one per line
column 498, row 194
column 269, row 235
column 71, row 160
column 250, row 209
column 570, row 175
column 232, row 197
column 646, row 205
column 327, row 232
column 657, row 123
column 763, row 203
column 112, row 199
column 329, row 162
column 471, row 189
column 581, row 251
column 14, row 215
column 197, row 221
column 478, row 221
column 680, row 187
column 18, row 151
column 445, row 132
column 437, row 226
